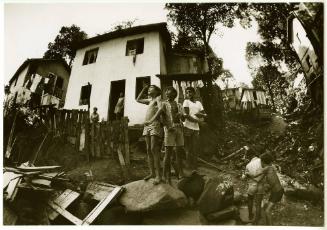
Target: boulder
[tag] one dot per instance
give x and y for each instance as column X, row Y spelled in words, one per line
column 143, row 196
column 192, row 185
column 218, row 194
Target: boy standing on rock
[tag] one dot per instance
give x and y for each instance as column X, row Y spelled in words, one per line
column 194, row 112
column 152, row 130
column 173, row 128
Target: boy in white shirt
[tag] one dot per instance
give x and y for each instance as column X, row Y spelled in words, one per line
column 194, row 113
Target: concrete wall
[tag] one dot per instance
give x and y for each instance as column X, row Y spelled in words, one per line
column 111, row 65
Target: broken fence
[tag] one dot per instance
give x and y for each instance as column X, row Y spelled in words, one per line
column 106, row 139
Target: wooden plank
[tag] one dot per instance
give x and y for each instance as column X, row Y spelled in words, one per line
column 63, row 200
column 42, row 182
column 12, row 188
column 122, row 163
column 8, row 177
column 101, row 206
column 40, row 168
column 65, row 213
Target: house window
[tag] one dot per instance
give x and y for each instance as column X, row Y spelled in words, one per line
column 134, row 47
column 255, row 95
column 140, row 81
column 90, row 56
column 85, row 94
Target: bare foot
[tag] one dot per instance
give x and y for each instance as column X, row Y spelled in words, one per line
column 157, row 180
column 148, row 177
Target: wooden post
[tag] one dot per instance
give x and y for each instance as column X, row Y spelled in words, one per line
column 126, row 140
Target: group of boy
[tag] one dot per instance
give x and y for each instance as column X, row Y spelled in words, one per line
column 179, row 124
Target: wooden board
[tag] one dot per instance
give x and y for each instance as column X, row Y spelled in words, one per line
column 42, row 182
column 12, row 188
column 8, row 177
column 102, row 205
column 63, row 201
column 65, row 213
column 40, row 168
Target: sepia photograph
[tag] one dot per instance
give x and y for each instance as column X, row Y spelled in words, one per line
column 162, row 113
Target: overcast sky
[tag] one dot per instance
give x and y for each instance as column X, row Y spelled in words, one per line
column 30, row 27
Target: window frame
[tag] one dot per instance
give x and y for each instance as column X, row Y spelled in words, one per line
column 88, row 54
column 138, row 79
column 136, row 42
column 81, row 100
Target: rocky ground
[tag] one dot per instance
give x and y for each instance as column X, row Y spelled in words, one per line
column 296, row 149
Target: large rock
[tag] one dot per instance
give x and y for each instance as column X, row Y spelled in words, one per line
column 218, row 194
column 143, row 196
column 192, row 186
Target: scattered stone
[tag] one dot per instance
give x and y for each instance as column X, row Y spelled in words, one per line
column 143, row 196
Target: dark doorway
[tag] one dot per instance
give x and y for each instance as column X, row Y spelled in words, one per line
column 116, row 88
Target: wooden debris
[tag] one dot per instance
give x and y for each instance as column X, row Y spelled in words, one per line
column 42, row 182
column 63, row 201
column 60, row 206
column 235, row 153
column 40, row 168
column 8, row 177
column 99, row 208
column 12, row 189
column 65, row 213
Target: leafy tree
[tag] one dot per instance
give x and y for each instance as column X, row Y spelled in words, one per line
column 201, row 20
column 63, row 45
column 270, row 78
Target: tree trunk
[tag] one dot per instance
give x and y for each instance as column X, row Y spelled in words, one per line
column 271, row 94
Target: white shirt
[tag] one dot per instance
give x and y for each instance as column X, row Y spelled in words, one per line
column 194, row 108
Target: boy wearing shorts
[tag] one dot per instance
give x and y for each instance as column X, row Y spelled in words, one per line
column 275, row 187
column 152, row 130
column 173, row 132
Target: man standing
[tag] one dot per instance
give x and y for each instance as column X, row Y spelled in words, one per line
column 119, row 108
column 194, row 113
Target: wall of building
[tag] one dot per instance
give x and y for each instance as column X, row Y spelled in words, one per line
column 112, row 65
column 16, row 84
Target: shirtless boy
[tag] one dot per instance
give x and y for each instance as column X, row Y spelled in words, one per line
column 152, row 130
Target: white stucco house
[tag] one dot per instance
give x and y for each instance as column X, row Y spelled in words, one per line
column 121, row 61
